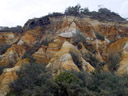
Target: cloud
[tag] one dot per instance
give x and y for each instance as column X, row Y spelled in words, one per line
column 17, row 12
column 123, row 9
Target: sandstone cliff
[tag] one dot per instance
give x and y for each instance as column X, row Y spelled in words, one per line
column 56, row 41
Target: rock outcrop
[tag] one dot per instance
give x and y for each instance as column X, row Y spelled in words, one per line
column 40, row 56
column 12, row 55
column 8, row 76
column 62, row 60
column 49, row 41
column 9, row 38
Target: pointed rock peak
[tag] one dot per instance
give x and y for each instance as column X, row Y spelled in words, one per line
column 73, row 24
column 68, row 45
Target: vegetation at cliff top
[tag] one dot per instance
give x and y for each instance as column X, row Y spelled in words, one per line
column 103, row 14
column 11, row 29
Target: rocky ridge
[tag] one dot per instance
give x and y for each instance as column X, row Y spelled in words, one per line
column 56, row 41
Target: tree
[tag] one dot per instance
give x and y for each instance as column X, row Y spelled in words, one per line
column 73, row 10
column 85, row 10
column 31, row 77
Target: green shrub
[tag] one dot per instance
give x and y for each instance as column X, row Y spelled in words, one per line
column 108, row 84
column 97, row 84
column 17, row 29
column 83, row 76
column 55, row 14
column 78, row 37
column 76, row 59
column 30, row 76
column 113, row 61
column 11, row 94
column 89, row 57
column 72, row 83
column 66, row 77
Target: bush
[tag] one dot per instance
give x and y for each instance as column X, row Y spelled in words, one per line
column 89, row 57
column 12, row 29
column 76, row 59
column 41, row 84
column 55, row 14
column 73, row 10
column 97, row 84
column 67, row 77
column 113, row 62
column 68, row 83
column 83, row 77
column 109, row 84
column 11, row 94
column 72, row 83
column 30, row 77
column 78, row 37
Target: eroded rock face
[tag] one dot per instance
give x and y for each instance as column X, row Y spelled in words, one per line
column 12, row 55
column 56, row 54
column 9, row 75
column 9, row 37
column 30, row 37
column 54, row 46
column 120, row 47
column 123, row 63
column 41, row 56
column 117, row 46
column 62, row 60
column 5, row 79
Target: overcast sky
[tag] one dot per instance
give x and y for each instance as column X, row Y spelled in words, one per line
column 17, row 12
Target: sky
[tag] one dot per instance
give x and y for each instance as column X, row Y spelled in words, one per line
column 17, row 12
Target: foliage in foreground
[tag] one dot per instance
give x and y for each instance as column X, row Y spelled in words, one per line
column 34, row 80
